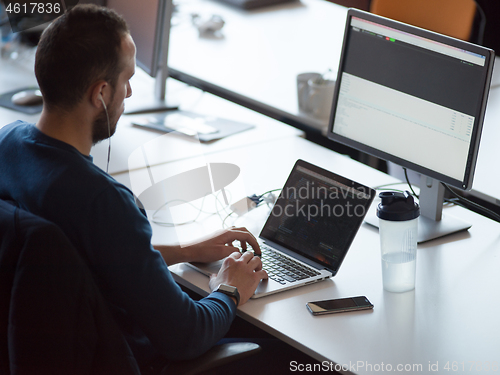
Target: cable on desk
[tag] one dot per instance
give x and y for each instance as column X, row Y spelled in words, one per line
column 217, row 200
column 461, row 201
column 224, row 221
column 200, row 211
column 458, row 200
column 466, row 203
column 259, row 200
column 167, row 224
column 385, row 187
column 409, row 183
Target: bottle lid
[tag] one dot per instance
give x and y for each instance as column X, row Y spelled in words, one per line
column 397, row 206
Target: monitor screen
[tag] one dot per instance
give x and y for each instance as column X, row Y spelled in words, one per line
column 411, row 96
column 145, row 20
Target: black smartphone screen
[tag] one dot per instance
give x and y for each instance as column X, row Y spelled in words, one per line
column 339, row 305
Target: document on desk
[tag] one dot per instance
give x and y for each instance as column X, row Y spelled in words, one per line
column 206, row 128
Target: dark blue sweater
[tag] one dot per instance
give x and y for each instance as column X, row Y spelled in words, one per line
column 53, row 180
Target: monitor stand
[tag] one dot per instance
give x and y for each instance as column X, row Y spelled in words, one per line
column 159, row 103
column 432, row 223
column 153, row 107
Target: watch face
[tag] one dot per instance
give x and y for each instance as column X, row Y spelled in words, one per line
column 227, row 288
column 230, row 291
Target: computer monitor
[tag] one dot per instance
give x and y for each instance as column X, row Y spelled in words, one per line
column 415, row 98
column 149, row 24
column 144, row 19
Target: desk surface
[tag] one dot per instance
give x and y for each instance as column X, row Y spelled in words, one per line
column 273, row 44
column 449, row 319
column 261, row 52
column 14, row 75
column 133, row 147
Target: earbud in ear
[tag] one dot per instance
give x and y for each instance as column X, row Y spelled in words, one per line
column 102, row 101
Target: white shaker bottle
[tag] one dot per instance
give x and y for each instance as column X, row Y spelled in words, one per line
column 398, row 225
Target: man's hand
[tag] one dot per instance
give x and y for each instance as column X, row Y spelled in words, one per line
column 220, row 245
column 244, row 271
column 211, row 249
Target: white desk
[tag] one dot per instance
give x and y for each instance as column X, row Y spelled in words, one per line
column 262, row 52
column 450, row 318
column 16, row 74
column 129, row 141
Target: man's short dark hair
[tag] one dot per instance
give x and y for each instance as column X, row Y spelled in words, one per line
column 76, row 50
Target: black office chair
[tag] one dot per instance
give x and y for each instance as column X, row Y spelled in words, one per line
column 53, row 319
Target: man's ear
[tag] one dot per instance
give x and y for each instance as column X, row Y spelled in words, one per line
column 99, row 92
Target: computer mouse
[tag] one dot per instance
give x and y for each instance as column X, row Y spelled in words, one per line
column 27, row 98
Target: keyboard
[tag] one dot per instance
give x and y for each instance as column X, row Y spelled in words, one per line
column 283, row 269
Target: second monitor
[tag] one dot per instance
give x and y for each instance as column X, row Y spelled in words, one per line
column 415, row 98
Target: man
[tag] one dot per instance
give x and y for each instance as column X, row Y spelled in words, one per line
column 83, row 65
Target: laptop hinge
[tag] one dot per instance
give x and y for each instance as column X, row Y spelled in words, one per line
column 295, row 255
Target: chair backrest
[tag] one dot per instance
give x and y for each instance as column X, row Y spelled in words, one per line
column 53, row 319
column 450, row 17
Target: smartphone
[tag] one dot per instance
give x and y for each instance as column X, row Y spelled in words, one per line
column 332, row 306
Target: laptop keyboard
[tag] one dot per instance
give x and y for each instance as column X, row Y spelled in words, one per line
column 283, row 269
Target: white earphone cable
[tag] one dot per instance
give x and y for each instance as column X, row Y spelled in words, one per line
column 109, row 134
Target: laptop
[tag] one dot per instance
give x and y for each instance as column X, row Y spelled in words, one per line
column 309, row 230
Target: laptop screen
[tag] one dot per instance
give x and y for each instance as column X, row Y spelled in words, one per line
column 318, row 214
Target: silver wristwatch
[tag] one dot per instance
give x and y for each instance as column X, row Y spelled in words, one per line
column 229, row 290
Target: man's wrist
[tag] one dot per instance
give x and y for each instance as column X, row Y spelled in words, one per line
column 230, row 291
column 172, row 254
